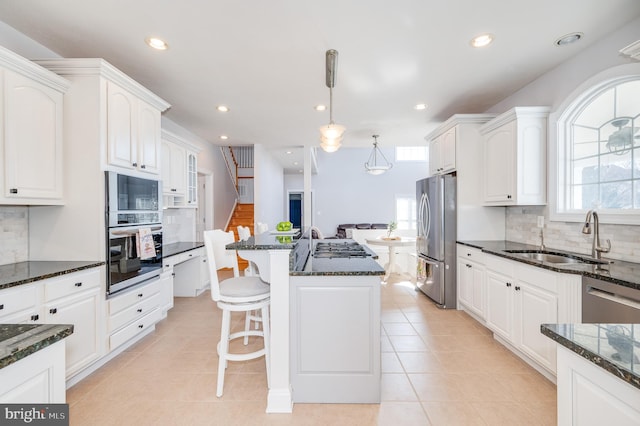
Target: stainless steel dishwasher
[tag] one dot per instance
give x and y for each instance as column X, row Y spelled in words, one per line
column 605, row 302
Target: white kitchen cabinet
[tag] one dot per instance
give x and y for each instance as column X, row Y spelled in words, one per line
column 76, row 299
column 461, row 144
column 191, row 276
column 442, row 153
column 31, row 136
column 192, row 179
column 133, row 131
column 134, row 312
column 471, row 277
column 174, row 175
column 588, row 395
column 36, row 379
column 20, row 305
column 514, row 157
column 520, row 298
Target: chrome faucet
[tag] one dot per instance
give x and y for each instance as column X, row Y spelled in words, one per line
column 596, row 248
column 542, row 247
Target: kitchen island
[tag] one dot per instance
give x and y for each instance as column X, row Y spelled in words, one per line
column 325, row 322
column 598, row 373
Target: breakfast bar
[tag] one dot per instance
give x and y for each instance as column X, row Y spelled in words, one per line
column 313, row 344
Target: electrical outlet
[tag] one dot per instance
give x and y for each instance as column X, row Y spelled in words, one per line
column 540, row 221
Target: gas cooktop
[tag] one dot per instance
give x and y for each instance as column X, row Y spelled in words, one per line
column 329, row 250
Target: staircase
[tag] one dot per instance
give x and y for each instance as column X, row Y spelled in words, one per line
column 242, row 215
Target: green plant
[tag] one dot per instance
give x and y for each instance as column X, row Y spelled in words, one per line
column 391, row 227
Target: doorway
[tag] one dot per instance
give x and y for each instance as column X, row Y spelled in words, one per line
column 204, row 212
column 296, row 208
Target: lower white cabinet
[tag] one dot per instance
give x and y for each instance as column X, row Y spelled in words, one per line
column 591, row 396
column 166, row 290
column 190, row 272
column 520, row 298
column 472, row 287
column 21, row 304
column 76, row 299
column 36, row 379
column 133, row 312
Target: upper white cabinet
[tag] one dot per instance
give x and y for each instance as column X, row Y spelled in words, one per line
column 442, row 153
column 514, row 157
column 179, row 171
column 31, row 104
column 133, row 131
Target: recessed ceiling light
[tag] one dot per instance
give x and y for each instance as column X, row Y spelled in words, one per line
column 568, row 39
column 289, row 152
column 222, row 108
column 157, row 43
column 224, row 137
column 482, row 40
column 295, row 163
column 320, row 107
column 420, row 107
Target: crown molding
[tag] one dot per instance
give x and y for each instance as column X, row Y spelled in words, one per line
column 14, row 62
column 457, row 119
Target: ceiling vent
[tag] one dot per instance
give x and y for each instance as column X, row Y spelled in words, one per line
column 632, row 51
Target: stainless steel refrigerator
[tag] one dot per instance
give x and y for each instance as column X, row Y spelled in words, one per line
column 436, row 239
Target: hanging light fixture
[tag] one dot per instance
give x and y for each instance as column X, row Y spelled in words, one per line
column 377, row 163
column 621, row 141
column 331, row 134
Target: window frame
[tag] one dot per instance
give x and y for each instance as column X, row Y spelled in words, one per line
column 425, row 160
column 414, row 211
column 559, row 158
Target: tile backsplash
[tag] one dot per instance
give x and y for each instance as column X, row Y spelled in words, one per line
column 521, row 226
column 14, row 234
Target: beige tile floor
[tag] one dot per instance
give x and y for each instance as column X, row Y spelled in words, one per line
column 439, row 368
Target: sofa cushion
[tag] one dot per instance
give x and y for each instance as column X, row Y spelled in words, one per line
column 363, row 226
column 379, row 226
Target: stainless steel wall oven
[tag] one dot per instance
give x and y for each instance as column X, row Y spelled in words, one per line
column 134, row 230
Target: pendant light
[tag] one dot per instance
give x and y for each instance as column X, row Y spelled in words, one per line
column 331, row 134
column 377, row 163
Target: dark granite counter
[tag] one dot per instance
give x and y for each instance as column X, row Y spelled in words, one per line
column 619, row 272
column 15, row 274
column 177, row 248
column 300, row 263
column 17, row 341
column 613, row 347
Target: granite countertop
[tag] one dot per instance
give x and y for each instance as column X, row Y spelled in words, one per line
column 619, row 272
column 17, row 341
column 15, row 274
column 266, row 241
column 614, row 347
column 177, row 248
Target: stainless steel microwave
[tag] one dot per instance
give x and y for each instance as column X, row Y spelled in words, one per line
column 132, row 200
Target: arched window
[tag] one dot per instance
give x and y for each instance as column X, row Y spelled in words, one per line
column 598, row 152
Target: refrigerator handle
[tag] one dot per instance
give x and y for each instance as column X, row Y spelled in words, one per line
column 430, row 262
column 427, row 210
column 421, row 216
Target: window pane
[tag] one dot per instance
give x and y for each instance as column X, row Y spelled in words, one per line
column 616, row 195
column 627, row 99
column 412, row 153
column 599, row 111
column 586, row 197
column 585, row 171
column 615, row 167
column 636, row 196
column 585, row 142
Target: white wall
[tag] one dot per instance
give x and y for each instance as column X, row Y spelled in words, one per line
column 344, row 193
column 268, row 190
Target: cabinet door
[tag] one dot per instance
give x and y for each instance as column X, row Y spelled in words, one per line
column 178, row 169
column 465, row 282
column 434, row 157
column 478, row 289
column 148, row 138
column 83, row 346
column 500, row 304
column 166, row 290
column 533, row 307
column 32, row 138
column 499, row 165
column 192, row 179
column 121, row 107
column 448, row 151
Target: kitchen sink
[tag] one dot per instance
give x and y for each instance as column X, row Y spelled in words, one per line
column 555, row 257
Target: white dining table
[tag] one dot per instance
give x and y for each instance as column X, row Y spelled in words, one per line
column 392, row 244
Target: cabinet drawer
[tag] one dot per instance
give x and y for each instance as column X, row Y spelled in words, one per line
column 500, row 265
column 134, row 312
column 68, row 285
column 133, row 297
column 13, row 300
column 136, row 327
column 471, row 253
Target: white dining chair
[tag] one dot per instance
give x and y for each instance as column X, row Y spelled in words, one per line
column 252, row 270
column 237, row 294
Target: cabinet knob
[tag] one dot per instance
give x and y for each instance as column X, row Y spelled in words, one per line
column 509, row 196
column 140, row 294
column 139, row 310
column 2, row 307
column 468, row 254
column 173, row 274
column 173, row 190
column 13, row 191
column 35, row 317
column 517, row 288
column 53, row 311
column 78, row 284
column 143, row 166
column 468, row 266
column 141, row 326
column 135, row 164
column 508, row 284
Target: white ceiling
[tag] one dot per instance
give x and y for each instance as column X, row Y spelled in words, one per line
column 265, row 59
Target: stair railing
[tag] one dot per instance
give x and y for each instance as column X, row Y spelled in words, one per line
column 232, row 166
